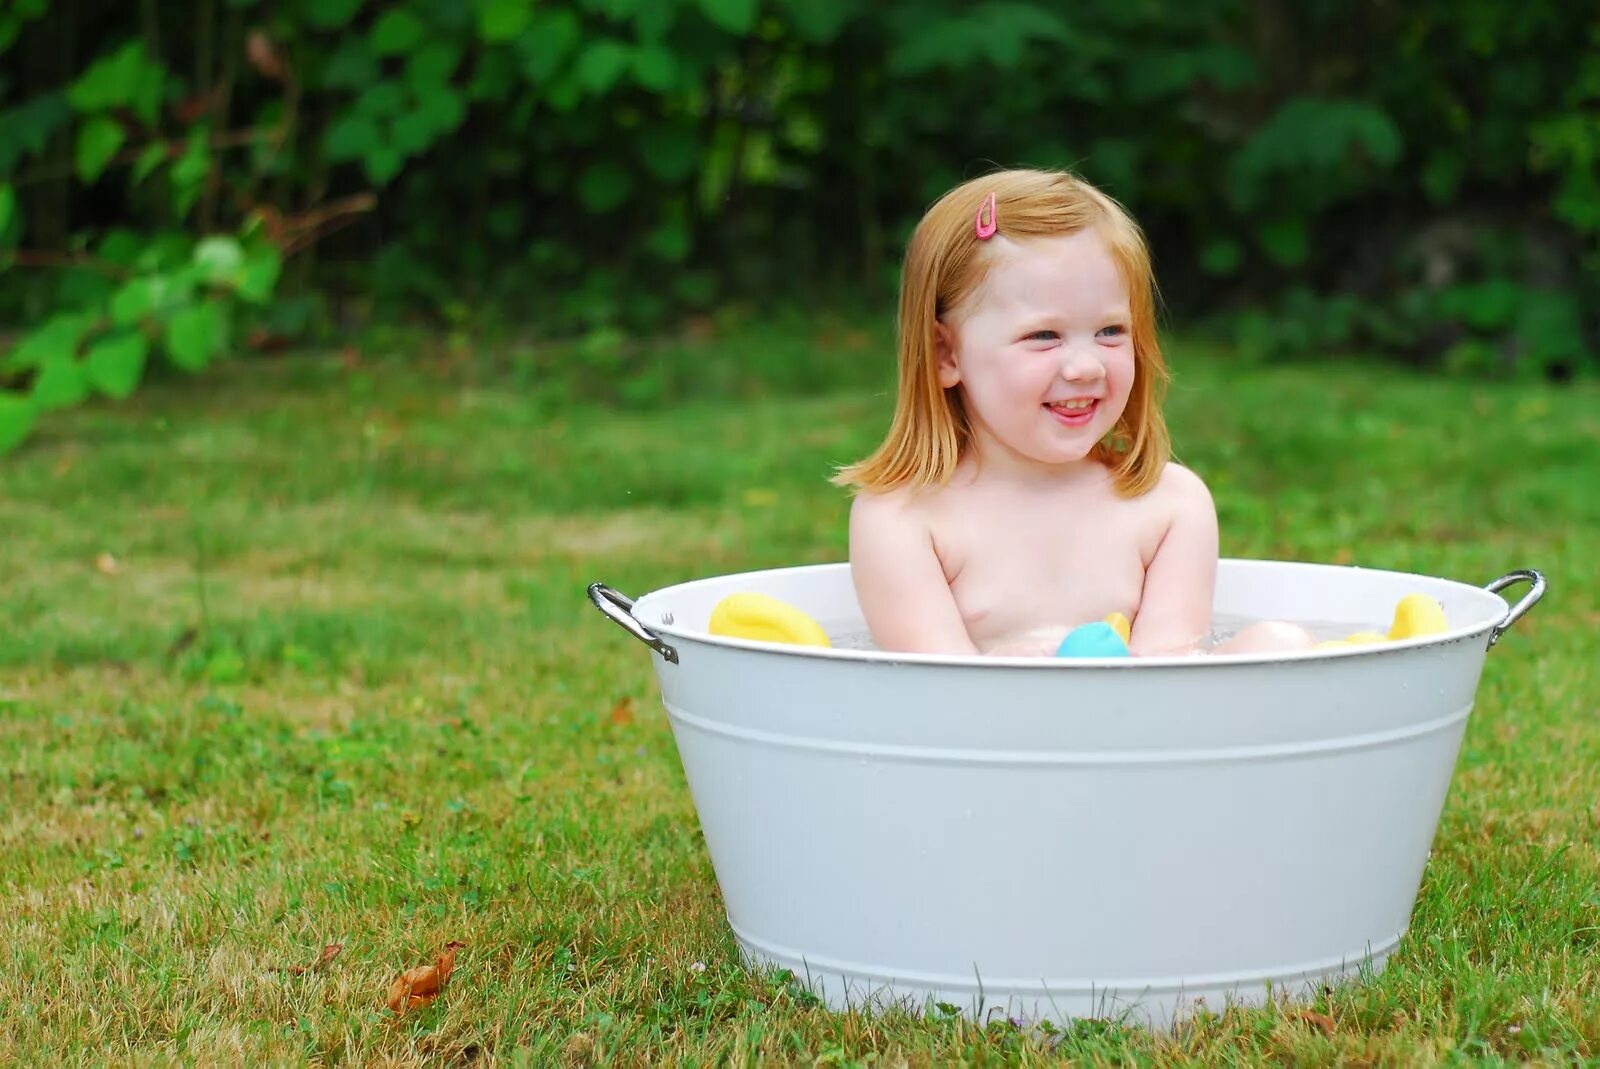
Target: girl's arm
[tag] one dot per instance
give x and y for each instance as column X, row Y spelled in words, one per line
column 899, row 581
column 1175, row 608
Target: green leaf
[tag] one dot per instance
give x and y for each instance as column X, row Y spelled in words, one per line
column 61, row 383
column 28, row 127
column 116, row 363
column 98, row 141
column 136, row 299
column 219, row 259
column 58, row 337
column 191, row 169
column 397, row 31
column 382, row 163
column 120, row 246
column 604, row 186
column 443, row 109
column 127, row 78
column 262, row 264
column 383, row 100
column 655, row 68
column 671, row 153
column 164, row 250
column 331, row 14
column 1221, row 256
column 549, row 41
column 16, row 420
column 352, row 67
column 147, row 295
column 652, row 22
column 564, row 94
column 601, row 64
column 1285, row 241
column 735, row 16
column 698, row 288
column 1550, row 326
column 196, row 334
column 493, row 75
column 502, row 20
column 1490, row 305
column 410, row 134
column 430, row 67
column 8, row 206
column 670, row 240
column 819, row 21
column 153, row 156
column 350, row 137
column 998, row 34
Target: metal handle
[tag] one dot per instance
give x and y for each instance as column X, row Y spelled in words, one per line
column 1529, row 600
column 619, row 607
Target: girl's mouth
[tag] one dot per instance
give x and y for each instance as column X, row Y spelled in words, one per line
column 1075, row 412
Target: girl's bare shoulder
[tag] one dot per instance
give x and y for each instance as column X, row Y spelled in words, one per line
column 901, row 506
column 1181, row 492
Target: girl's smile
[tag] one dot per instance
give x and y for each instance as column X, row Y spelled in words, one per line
column 1075, row 412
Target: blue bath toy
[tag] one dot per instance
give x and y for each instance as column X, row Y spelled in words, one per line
column 1098, row 639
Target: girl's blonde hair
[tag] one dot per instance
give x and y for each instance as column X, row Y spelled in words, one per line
column 945, row 263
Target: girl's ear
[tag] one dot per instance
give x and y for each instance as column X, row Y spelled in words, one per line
column 944, row 351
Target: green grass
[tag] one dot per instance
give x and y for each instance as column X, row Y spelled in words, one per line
column 342, row 685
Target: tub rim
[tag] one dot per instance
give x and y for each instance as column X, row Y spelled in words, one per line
column 624, row 611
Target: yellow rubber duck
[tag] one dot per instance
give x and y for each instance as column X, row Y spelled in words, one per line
column 762, row 618
column 1119, row 623
column 1417, row 615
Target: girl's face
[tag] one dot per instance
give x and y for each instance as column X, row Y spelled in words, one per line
column 1042, row 351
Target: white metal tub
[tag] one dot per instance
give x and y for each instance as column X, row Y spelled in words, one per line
column 1056, row 839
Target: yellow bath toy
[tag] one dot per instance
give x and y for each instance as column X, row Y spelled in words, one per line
column 765, row 619
column 1414, row 616
column 1119, row 624
column 1417, row 615
column 1358, row 638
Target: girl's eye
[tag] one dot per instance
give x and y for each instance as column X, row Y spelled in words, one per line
column 1111, row 332
column 1042, row 335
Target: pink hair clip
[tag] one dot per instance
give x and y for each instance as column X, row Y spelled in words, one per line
column 986, row 230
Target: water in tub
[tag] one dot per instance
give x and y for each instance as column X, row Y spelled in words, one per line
column 849, row 634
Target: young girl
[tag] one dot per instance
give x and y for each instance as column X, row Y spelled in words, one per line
column 1025, row 487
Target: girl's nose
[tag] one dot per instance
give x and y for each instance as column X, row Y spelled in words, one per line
column 1080, row 365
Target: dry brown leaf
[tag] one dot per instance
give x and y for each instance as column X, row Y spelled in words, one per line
column 1320, row 1021
column 420, row 986
column 262, row 340
column 183, row 641
column 329, row 952
column 263, row 55
column 622, row 712
column 106, row 563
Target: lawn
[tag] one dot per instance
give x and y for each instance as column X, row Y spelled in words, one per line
column 298, row 654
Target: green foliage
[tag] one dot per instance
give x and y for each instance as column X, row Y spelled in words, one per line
column 1313, row 178
column 127, row 78
column 124, row 294
column 98, row 140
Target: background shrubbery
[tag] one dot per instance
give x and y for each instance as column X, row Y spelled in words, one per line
column 181, row 180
